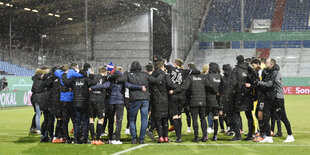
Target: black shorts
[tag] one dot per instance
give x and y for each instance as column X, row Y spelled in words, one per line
column 97, row 109
column 176, row 104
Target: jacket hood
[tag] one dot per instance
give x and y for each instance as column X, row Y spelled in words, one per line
column 135, row 67
column 213, row 67
column 156, row 72
column 275, row 67
column 227, row 69
column 194, row 72
column 242, row 65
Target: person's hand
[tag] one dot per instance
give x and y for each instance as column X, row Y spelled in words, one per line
column 171, row 92
column 90, row 89
column 92, row 71
column 143, row 88
column 247, row 85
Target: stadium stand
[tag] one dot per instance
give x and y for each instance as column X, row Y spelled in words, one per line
column 8, row 69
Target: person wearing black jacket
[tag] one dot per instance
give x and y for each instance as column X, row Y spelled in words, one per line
column 212, row 95
column 47, row 127
column 272, row 83
column 226, row 91
column 80, row 103
column 243, row 97
column 196, row 83
column 159, row 102
column 139, row 99
column 97, row 105
column 177, row 100
column 36, row 98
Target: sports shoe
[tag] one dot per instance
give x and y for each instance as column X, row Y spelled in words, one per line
column 166, row 139
column 161, row 140
column 188, row 129
column 99, row 142
column 258, row 139
column 38, row 132
column 72, row 131
column 278, row 135
column 289, row 139
column 241, row 131
column 209, row 130
column 56, row 140
column 231, row 133
column 204, row 139
column 235, row 139
column 134, row 141
column 214, row 138
column 127, row 132
column 103, row 134
column 267, row 139
column 141, row 141
column 32, row 130
column 195, row 140
column 178, row 141
column 271, row 133
column 171, row 128
column 150, row 134
column 62, row 140
column 93, row 142
column 227, row 130
column 222, row 131
column 117, row 142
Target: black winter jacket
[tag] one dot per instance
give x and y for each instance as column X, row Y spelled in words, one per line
column 81, row 93
column 196, row 83
column 159, row 95
column 212, row 90
column 98, row 96
column 243, row 96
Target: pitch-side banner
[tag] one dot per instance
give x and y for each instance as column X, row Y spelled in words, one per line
column 296, row 90
column 15, row 98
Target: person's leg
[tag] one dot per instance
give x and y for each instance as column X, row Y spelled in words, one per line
column 215, row 122
column 203, row 122
column 251, row 127
column 188, row 117
column 194, row 114
column 44, row 132
column 127, row 103
column 134, row 107
column 165, row 126
column 210, row 120
column 77, row 124
column 38, row 115
column 65, row 118
column 119, row 120
column 221, row 120
column 105, row 122
column 144, row 114
column 282, row 114
column 159, row 128
column 50, row 126
column 58, row 132
column 237, row 126
column 85, row 129
column 92, row 128
column 112, row 110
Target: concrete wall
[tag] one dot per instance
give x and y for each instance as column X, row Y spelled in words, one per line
column 119, row 38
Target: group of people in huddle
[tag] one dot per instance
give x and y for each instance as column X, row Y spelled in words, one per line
column 161, row 92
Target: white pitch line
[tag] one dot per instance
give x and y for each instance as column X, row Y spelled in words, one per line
column 130, row 149
column 294, row 145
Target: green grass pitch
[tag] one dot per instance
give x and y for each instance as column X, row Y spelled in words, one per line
column 15, row 123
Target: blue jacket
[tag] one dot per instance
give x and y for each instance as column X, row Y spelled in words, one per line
column 67, row 96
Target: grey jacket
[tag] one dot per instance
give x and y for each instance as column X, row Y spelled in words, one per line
column 272, row 82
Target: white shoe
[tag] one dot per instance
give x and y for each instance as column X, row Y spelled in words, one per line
column 38, row 132
column 209, row 130
column 116, row 142
column 267, row 140
column 227, row 130
column 289, row 139
column 127, row 132
column 222, row 131
column 188, row 129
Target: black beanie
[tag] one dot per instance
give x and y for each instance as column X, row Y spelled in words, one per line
column 86, row 66
column 240, row 58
